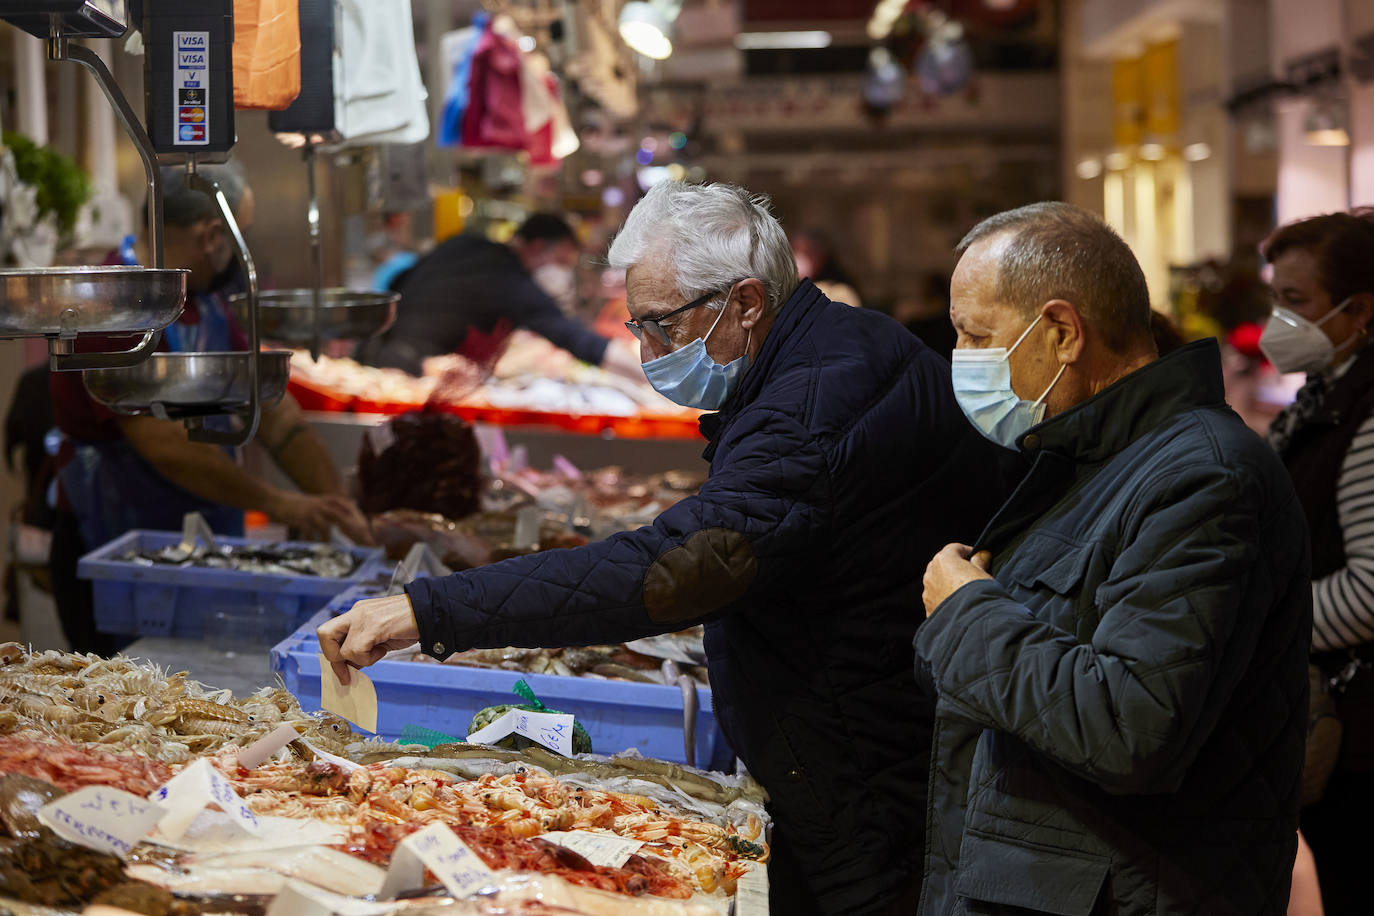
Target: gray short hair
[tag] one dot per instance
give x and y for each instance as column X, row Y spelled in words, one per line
column 1059, row 251
column 185, row 206
column 714, row 235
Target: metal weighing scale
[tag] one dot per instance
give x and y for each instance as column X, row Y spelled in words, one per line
column 189, row 112
column 65, row 303
column 307, row 317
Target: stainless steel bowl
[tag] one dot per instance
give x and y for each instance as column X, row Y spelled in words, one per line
column 181, row 385
column 287, row 315
column 89, row 300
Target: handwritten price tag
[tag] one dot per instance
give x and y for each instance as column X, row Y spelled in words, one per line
column 437, row 848
column 193, row 790
column 553, row 730
column 101, row 818
column 298, row 898
column 751, row 893
column 597, row 848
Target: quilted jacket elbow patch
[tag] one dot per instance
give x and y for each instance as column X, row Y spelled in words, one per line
column 710, row 570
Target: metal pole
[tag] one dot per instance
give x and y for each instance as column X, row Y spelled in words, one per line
column 316, row 255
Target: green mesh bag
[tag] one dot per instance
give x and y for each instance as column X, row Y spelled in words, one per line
column 582, row 742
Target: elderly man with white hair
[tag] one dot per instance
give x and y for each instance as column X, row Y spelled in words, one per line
column 838, row 459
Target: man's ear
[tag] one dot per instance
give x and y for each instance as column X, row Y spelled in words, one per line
column 753, row 301
column 1067, row 330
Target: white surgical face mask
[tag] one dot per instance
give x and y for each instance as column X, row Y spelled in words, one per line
column 982, row 386
column 1294, row 344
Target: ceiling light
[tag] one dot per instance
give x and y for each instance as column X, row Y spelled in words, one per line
column 1325, row 124
column 1196, row 152
column 1151, row 152
column 647, row 26
column 769, row 41
column 1089, row 168
column 1117, row 161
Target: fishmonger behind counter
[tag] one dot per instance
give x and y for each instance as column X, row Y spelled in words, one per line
column 469, row 293
column 118, row 473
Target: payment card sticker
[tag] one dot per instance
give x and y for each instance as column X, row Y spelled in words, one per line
column 191, row 80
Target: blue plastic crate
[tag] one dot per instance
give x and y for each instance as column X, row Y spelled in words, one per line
column 618, row 715
column 175, row 601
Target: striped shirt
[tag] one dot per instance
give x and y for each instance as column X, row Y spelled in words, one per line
column 1343, row 602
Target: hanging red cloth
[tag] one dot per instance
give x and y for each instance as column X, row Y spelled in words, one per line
column 495, row 115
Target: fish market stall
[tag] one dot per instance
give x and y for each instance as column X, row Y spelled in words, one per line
column 128, row 786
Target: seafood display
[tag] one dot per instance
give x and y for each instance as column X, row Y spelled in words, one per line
column 532, row 374
column 618, row 663
column 312, row 560
column 119, row 704
column 70, row 721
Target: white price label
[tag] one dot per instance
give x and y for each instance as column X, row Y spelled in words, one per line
column 437, row 848
column 102, row 818
column 553, row 730
column 298, row 898
column 597, row 848
column 193, row 790
column 751, row 893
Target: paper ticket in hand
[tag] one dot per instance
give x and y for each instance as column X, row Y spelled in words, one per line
column 437, row 848
column 102, row 818
column 355, row 701
column 554, row 730
column 193, row 790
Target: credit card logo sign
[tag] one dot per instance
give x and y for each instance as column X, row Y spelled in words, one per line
column 191, row 60
column 191, row 96
column 194, row 115
column 191, row 42
column 191, row 133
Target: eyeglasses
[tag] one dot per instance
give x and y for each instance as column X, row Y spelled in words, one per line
column 656, row 330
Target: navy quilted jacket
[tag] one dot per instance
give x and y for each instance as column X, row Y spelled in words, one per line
column 839, row 467
column 1122, row 710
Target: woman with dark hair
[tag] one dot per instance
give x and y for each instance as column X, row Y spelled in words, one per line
column 1323, row 287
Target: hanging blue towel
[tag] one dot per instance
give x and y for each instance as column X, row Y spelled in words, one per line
column 456, row 97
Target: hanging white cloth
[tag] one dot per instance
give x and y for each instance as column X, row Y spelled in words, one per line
column 380, row 95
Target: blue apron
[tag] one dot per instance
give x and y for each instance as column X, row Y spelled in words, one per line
column 112, row 489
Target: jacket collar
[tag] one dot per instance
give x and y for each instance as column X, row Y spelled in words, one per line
column 1112, row 419
column 794, row 320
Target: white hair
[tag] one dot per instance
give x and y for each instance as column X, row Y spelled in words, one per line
column 714, row 235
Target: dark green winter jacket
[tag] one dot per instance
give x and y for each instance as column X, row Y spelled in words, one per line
column 1122, row 710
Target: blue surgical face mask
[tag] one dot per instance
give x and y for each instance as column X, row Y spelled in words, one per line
column 982, row 386
column 690, row 377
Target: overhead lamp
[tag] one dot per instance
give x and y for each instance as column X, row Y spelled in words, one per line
column 1151, row 152
column 782, row 41
column 1117, row 161
column 1088, row 168
column 647, row 26
column 1325, row 124
column 1196, row 152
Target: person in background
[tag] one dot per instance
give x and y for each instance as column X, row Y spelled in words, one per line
column 116, row 473
column 468, row 295
column 1121, row 656
column 835, row 457
column 817, row 262
column 1323, row 289
column 391, row 251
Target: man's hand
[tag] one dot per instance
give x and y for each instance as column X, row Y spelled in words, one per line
column 367, row 632
column 312, row 515
column 952, row 569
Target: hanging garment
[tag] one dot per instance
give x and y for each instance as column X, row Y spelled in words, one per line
column 267, row 53
column 457, row 49
column 495, row 115
column 380, row 96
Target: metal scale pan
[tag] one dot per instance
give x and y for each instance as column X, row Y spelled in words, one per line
column 288, row 315
column 178, row 386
